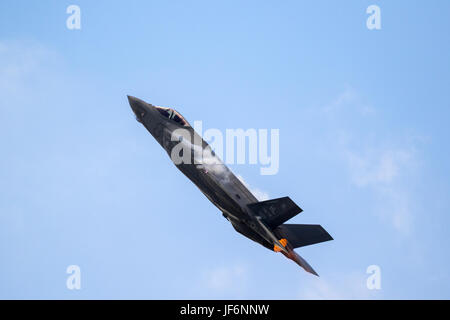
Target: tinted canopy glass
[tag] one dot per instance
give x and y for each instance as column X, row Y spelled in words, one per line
column 172, row 114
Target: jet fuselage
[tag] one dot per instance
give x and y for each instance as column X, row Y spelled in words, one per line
column 260, row 221
column 205, row 170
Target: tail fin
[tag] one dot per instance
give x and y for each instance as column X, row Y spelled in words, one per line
column 276, row 211
column 300, row 235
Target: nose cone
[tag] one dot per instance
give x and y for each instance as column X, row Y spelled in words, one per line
column 140, row 108
column 134, row 103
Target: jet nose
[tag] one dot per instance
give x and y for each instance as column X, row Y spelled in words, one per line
column 139, row 107
column 133, row 101
column 143, row 111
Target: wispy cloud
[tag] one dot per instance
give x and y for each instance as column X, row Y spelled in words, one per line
column 258, row 193
column 226, row 280
column 375, row 161
column 377, row 167
column 382, row 170
column 352, row 286
column 348, row 100
column 23, row 64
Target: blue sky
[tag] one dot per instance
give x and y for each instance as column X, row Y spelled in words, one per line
column 363, row 118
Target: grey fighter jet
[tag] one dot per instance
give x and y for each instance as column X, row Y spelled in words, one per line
column 260, row 221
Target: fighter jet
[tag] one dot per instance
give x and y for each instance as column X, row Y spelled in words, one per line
column 260, row 221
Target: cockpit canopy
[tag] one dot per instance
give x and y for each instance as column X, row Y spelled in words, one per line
column 173, row 115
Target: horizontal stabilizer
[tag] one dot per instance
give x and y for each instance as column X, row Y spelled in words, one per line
column 301, row 262
column 276, row 211
column 300, row 235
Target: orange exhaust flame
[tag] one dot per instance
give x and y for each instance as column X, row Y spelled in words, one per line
column 277, row 248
